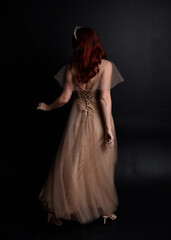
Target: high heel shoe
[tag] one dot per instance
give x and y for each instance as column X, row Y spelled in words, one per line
column 51, row 219
column 112, row 217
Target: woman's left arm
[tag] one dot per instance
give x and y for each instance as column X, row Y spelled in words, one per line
column 63, row 98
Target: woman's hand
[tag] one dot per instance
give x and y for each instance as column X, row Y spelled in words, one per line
column 42, row 106
column 109, row 138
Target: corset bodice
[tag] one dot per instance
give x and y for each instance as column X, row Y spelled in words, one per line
column 87, row 99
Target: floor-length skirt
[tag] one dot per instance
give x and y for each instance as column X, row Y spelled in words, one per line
column 80, row 184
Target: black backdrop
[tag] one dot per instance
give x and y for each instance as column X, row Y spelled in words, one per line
column 36, row 43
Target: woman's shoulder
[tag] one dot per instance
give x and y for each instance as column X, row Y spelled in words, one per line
column 105, row 64
column 105, row 61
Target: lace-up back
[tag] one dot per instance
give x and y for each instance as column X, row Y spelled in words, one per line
column 87, row 99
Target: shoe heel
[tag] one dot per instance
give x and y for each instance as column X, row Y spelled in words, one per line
column 104, row 219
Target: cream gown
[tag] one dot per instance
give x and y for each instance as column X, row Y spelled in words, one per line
column 80, row 184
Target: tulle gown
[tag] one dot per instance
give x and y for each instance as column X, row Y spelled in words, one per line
column 80, row 184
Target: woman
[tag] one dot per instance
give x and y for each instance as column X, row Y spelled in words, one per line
column 80, row 184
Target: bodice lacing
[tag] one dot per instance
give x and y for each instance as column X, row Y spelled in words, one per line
column 88, row 98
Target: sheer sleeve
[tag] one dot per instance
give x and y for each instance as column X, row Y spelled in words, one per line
column 109, row 77
column 60, row 76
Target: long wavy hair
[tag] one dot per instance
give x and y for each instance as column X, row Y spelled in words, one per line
column 87, row 55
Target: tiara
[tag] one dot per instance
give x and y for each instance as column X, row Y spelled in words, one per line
column 75, row 31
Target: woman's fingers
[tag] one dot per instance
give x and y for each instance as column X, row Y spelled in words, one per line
column 110, row 143
column 110, row 139
column 40, row 106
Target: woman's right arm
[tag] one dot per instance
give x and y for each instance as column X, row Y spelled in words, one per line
column 106, row 104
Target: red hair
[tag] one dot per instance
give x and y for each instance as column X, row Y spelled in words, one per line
column 87, row 54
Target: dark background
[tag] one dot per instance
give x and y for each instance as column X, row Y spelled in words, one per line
column 35, row 44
